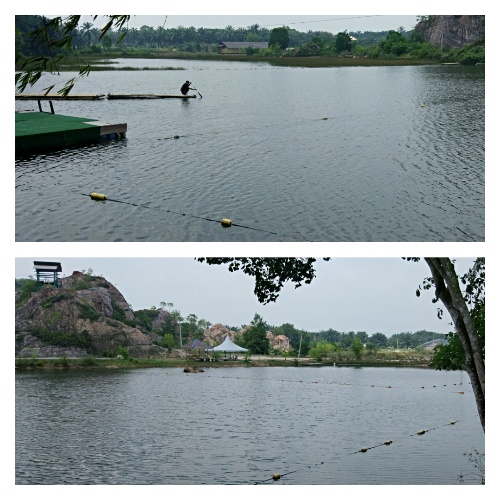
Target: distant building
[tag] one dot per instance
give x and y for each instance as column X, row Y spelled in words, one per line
column 240, row 47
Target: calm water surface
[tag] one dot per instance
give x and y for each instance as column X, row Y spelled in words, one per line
column 242, row 425
column 289, row 154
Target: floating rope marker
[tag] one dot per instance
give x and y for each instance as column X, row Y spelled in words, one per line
column 388, row 442
column 453, row 422
column 276, row 477
column 363, row 450
column 420, row 433
column 226, row 222
column 97, row 196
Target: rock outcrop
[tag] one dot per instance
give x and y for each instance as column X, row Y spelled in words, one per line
column 216, row 334
column 452, row 31
column 88, row 315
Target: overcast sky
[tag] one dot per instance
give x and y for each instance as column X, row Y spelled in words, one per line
column 330, row 23
column 371, row 295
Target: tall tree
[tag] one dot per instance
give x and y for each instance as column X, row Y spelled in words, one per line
column 343, row 42
column 447, row 289
column 255, row 337
column 279, row 36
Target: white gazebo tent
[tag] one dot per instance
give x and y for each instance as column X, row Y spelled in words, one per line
column 229, row 346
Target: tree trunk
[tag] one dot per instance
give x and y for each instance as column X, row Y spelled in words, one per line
column 449, row 293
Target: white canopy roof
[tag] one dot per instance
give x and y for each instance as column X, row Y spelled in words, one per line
column 229, row 346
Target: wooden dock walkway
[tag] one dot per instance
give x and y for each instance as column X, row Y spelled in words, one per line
column 150, row 96
column 37, row 132
column 98, row 97
column 57, row 97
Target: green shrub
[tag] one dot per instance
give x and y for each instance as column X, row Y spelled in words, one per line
column 62, row 361
column 27, row 287
column 123, row 351
column 89, row 361
column 63, row 339
column 88, row 312
column 109, row 354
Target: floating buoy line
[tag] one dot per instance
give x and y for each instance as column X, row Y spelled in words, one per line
column 225, row 222
column 344, row 384
column 277, row 476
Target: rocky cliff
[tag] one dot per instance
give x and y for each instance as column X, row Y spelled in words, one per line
column 88, row 315
column 452, row 31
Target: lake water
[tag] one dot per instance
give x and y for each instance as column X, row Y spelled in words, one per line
column 242, row 425
column 288, row 154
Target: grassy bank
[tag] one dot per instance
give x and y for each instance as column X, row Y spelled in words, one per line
column 403, row 358
column 101, row 62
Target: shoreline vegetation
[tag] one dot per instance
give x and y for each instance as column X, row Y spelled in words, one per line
column 403, row 358
column 103, row 62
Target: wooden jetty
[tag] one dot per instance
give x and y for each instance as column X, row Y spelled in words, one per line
column 58, row 97
column 97, row 97
column 150, row 96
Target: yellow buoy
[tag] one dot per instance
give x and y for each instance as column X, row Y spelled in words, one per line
column 388, row 442
column 420, row 433
column 453, row 422
column 276, row 477
column 363, row 450
column 226, row 222
column 97, row 196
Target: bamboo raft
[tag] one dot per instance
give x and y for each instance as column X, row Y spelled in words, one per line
column 58, row 97
column 150, row 96
column 96, row 97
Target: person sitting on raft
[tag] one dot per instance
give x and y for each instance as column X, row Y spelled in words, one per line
column 186, row 88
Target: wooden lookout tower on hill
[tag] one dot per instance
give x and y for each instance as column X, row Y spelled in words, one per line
column 47, row 273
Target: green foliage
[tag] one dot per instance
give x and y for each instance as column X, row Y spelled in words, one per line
column 395, row 44
column 270, row 274
column 89, row 361
column 255, row 337
column 87, row 311
column 279, row 37
column 123, row 352
column 52, row 40
column 54, row 299
column 308, row 49
column 62, row 362
column 109, row 354
column 451, row 356
column 379, row 340
column 83, row 282
column 357, row 347
column 118, row 313
column 473, row 54
column 343, row 42
column 28, row 362
column 25, row 287
column 424, row 50
column 322, row 350
column 63, row 339
column 168, row 341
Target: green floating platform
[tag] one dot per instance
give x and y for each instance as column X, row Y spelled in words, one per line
column 41, row 131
